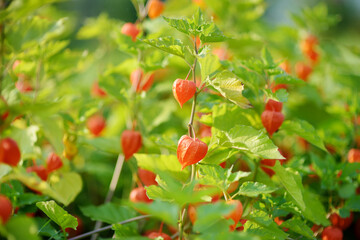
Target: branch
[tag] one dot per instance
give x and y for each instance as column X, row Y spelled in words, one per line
column 109, row 227
column 190, row 125
column 113, row 185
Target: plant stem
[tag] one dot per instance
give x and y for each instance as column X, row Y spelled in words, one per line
column 52, row 236
column 112, row 187
column 109, row 227
column 178, row 233
column 225, row 196
column 142, row 11
column 44, row 226
column 187, row 76
column 192, row 135
column 190, row 125
column 193, row 172
column 64, row 232
column 181, row 223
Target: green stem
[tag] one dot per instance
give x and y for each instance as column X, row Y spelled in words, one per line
column 112, row 188
column 193, row 172
column 44, row 226
column 191, row 134
column 225, row 196
column 181, row 222
column 190, row 125
column 52, row 236
column 64, row 232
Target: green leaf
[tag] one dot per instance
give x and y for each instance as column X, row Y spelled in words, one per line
column 4, row 170
column 110, row 145
column 314, row 210
column 132, row 237
column 304, row 130
column 156, row 192
column 217, row 176
column 298, row 226
column 58, row 215
column 253, row 189
column 344, row 213
column 353, row 203
column 287, row 79
column 172, row 46
column 291, row 183
column 109, row 212
column 115, row 85
column 57, row 30
column 198, row 26
column 159, row 114
column 259, row 223
column 212, row 175
column 218, row 155
column 124, row 231
column 282, row 95
column 198, row 17
column 47, row 229
column 316, row 18
column 181, row 25
column 172, row 190
column 250, row 72
column 351, row 170
column 164, row 211
column 250, row 140
column 230, row 87
column 52, row 130
column 265, row 233
column 29, row 198
column 209, row 64
column 235, row 176
column 220, row 231
column 99, row 27
column 267, row 58
column 209, row 215
column 26, row 139
column 168, row 44
column 20, row 9
column 67, row 189
column 211, row 33
column 21, row 227
column 162, row 163
column 12, row 189
column 347, row 190
column 226, row 116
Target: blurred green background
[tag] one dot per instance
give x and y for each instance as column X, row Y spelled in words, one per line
column 276, row 13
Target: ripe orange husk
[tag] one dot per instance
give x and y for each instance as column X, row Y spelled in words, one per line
column 190, row 151
column 131, row 142
column 183, row 90
column 156, row 7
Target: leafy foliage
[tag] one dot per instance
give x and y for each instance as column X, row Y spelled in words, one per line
column 57, row 73
column 57, row 214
